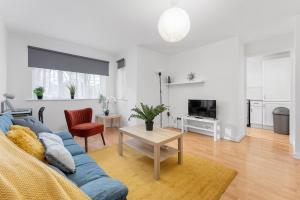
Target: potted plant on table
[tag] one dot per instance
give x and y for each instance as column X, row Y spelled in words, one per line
column 147, row 113
column 105, row 103
column 39, row 91
column 72, row 90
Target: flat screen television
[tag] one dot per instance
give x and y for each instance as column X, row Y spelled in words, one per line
column 202, row 108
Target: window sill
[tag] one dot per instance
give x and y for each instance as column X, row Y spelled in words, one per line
column 61, row 99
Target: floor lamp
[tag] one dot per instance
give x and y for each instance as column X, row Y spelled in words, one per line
column 160, row 97
column 159, row 73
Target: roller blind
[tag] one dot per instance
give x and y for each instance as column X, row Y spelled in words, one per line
column 121, row 63
column 49, row 59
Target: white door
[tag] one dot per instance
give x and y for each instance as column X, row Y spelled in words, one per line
column 277, row 79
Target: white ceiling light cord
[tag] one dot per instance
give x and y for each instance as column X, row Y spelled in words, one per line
column 174, row 3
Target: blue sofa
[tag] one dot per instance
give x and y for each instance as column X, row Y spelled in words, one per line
column 89, row 176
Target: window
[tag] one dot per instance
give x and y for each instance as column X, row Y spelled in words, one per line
column 55, row 82
column 121, row 84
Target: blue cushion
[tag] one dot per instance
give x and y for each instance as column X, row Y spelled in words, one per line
column 105, row 188
column 82, row 159
column 86, row 173
column 34, row 124
column 5, row 122
column 75, row 149
column 68, row 142
column 64, row 135
column 89, row 176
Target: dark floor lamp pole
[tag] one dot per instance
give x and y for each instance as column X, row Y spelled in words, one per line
column 160, row 97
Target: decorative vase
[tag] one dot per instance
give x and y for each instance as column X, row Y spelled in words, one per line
column 149, row 126
column 169, row 79
column 106, row 112
column 40, row 97
column 72, row 96
column 191, row 76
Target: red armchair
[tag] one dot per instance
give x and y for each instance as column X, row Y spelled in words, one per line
column 80, row 124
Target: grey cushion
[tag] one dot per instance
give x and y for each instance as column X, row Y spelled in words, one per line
column 58, row 156
column 32, row 123
column 57, row 170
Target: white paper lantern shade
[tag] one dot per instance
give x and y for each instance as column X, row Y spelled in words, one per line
column 174, row 24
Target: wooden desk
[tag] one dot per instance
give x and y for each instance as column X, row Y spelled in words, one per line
column 102, row 119
column 152, row 144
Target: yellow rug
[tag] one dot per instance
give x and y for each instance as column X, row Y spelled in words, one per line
column 197, row 178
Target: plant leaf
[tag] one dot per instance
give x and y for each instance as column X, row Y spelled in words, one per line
column 147, row 113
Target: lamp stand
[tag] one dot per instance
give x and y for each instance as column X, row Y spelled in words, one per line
column 160, row 97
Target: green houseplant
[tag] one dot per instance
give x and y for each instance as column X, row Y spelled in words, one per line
column 39, row 91
column 105, row 101
column 72, row 90
column 147, row 113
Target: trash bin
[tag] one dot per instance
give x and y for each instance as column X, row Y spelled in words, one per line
column 281, row 121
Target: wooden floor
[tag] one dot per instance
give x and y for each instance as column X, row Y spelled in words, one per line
column 266, row 168
column 267, row 135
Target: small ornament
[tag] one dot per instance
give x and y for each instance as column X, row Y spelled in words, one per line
column 169, row 79
column 191, row 76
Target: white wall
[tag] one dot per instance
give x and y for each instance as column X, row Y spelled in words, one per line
column 295, row 114
column 269, row 46
column 124, row 106
column 142, row 81
column 221, row 65
column 19, row 81
column 149, row 64
column 3, row 58
column 254, row 78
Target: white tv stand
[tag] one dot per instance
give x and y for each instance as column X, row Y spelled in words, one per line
column 211, row 128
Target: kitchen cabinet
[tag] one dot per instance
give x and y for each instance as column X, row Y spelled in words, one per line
column 256, row 114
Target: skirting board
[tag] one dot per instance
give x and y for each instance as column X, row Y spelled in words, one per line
column 234, row 139
column 267, row 127
column 297, row 155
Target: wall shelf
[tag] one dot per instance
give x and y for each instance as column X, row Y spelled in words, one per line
column 185, row 83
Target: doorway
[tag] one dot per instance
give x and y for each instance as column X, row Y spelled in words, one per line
column 268, row 87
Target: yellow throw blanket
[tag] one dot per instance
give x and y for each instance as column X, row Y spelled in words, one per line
column 24, row 177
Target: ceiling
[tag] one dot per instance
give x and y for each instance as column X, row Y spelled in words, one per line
column 114, row 25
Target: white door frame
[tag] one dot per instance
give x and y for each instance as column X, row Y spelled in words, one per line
column 292, row 110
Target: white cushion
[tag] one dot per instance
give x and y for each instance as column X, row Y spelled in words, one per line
column 51, row 136
column 58, row 156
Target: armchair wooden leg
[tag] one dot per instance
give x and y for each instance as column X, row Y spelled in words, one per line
column 102, row 138
column 86, row 144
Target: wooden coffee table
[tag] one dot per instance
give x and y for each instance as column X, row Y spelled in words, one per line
column 152, row 144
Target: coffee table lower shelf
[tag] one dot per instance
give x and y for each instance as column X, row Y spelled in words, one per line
column 148, row 150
